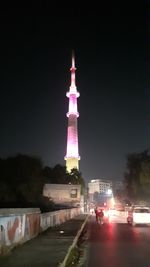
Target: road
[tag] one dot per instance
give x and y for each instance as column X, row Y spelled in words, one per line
column 117, row 244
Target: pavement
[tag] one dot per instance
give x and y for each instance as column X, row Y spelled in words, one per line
column 48, row 249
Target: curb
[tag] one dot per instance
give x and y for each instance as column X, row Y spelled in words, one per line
column 63, row 264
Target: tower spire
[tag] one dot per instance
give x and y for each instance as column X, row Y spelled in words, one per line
column 73, row 73
column 72, row 156
column 73, row 59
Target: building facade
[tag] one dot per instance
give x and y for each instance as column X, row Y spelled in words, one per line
column 98, row 186
column 65, row 194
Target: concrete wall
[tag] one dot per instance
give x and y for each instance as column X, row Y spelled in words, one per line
column 51, row 219
column 63, row 193
column 20, row 225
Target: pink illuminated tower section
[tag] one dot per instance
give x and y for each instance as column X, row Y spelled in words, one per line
column 72, row 156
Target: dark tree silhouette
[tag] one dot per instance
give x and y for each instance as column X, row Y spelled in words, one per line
column 22, row 179
column 137, row 176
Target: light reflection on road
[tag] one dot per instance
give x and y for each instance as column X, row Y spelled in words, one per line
column 118, row 244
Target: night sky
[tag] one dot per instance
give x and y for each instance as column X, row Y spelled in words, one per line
column 111, row 45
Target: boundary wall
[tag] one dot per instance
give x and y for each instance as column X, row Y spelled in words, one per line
column 20, row 225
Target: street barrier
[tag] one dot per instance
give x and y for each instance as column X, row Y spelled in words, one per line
column 70, row 249
column 20, row 225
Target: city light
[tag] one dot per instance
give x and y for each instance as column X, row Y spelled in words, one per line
column 109, row 192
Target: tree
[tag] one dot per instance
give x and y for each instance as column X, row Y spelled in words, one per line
column 137, row 176
column 22, row 178
column 76, row 178
column 59, row 175
column 6, row 194
column 145, row 177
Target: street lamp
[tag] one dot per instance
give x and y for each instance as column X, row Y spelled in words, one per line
column 110, row 198
column 109, row 192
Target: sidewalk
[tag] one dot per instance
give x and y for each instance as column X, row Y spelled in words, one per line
column 48, row 249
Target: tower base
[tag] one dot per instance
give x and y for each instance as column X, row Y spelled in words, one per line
column 72, row 163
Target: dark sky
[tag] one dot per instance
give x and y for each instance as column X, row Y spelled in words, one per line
column 111, row 45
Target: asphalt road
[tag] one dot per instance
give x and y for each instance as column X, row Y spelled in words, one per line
column 117, row 245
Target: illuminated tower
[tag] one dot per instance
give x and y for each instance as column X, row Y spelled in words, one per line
column 72, row 156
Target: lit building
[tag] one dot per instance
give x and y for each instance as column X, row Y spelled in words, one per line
column 98, row 186
column 72, row 155
column 93, row 186
column 104, row 186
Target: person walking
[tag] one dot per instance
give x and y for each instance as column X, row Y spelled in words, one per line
column 99, row 214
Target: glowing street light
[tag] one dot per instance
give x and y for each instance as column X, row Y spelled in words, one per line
column 109, row 192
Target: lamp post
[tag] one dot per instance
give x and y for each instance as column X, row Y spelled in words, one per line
column 110, row 197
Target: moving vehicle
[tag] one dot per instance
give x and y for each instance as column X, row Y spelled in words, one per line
column 139, row 215
column 112, row 212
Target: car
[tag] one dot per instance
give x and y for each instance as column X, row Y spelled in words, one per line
column 112, row 211
column 139, row 215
